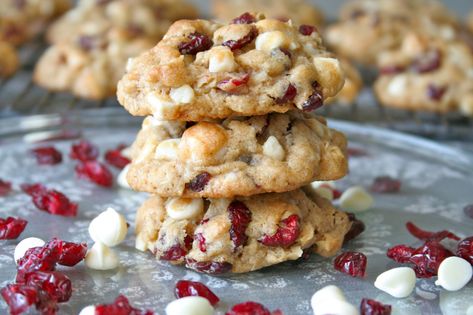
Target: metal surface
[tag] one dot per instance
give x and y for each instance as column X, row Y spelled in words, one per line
column 436, row 184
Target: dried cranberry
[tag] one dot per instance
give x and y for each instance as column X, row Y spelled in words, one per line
column 5, row 188
column 435, row 92
column 199, row 182
column 356, row 152
column 84, row 151
column 251, row 308
column 188, row 240
column 242, row 42
column 286, row 234
column 391, row 70
column 401, row 253
column 307, row 30
column 316, row 100
column 465, row 249
column 240, row 218
column 426, row 235
column 175, row 252
column 20, row 298
column 115, row 158
column 37, row 259
column 431, row 61
column 386, row 184
column 428, row 258
column 245, row 18
column 211, row 267
column 11, row 228
column 198, row 42
column 57, row 285
column 468, row 210
column 47, row 155
column 351, row 263
column 51, row 201
column 288, row 96
column 121, row 306
column 95, row 172
column 191, row 288
column 372, row 307
column 201, row 240
column 234, row 85
column 70, row 254
column 357, row 227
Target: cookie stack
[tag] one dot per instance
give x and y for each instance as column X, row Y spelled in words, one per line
column 227, row 149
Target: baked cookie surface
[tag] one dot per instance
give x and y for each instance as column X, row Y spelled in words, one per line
column 242, row 234
column 9, row 62
column 427, row 75
column 236, row 157
column 352, row 87
column 253, row 66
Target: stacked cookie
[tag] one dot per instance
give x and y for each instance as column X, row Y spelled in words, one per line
column 228, row 148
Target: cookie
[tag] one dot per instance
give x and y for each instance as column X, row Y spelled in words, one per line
column 253, row 66
column 470, row 21
column 92, row 43
column 9, row 62
column 299, row 11
column 239, row 156
column 352, row 87
column 370, row 27
column 24, row 19
column 427, row 75
column 241, row 234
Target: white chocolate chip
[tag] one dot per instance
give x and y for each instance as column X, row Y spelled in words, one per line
column 129, row 64
column 88, row 310
column 454, row 273
column 184, row 208
column 182, row 95
column 140, row 244
column 273, row 149
column 109, row 228
column 221, row 60
column 324, row 192
column 328, row 69
column 190, row 305
column 121, row 179
column 126, row 152
column 398, row 282
column 26, row 244
column 159, row 104
column 356, row 199
column 269, row 41
column 328, row 183
column 331, row 300
column 100, row 257
column 167, row 149
column 398, row 85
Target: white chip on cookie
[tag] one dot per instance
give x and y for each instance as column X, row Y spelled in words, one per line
column 167, row 149
column 274, row 149
column 182, row 95
column 269, row 41
column 184, row 208
column 221, row 60
column 159, row 104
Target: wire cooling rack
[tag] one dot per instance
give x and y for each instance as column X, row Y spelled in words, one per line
column 19, row 96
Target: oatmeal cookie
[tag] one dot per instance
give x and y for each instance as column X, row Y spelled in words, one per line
column 427, row 75
column 239, row 156
column 9, row 62
column 299, row 11
column 253, row 66
column 242, row 234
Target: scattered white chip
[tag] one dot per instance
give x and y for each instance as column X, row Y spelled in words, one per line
column 454, row 273
column 328, row 183
column 331, row 300
column 26, row 244
column 324, row 192
column 398, row 282
column 126, row 152
column 109, row 228
column 100, row 257
column 88, row 310
column 190, row 305
column 356, row 199
column 184, row 208
column 121, row 179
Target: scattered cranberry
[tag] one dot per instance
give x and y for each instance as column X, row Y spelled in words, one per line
column 401, row 253
column 251, row 308
column 435, row 92
column 357, row 227
column 201, row 240
column 465, row 249
column 95, row 172
column 245, row 18
column 115, row 158
column 386, row 184
column 47, row 155
column 84, row 151
column 351, row 263
column 174, row 253
column 391, row 70
column 211, row 267
column 286, row 234
column 70, row 254
column 468, row 210
column 242, row 42
column 191, row 288
column 288, row 96
column 188, row 240
column 51, row 201
column 426, row 235
column 372, row 307
column 240, row 218
column 314, row 101
column 11, row 228
column 20, row 298
column 121, row 306
column 428, row 258
column 306, row 30
column 57, row 285
column 428, row 62
column 356, row 152
column 198, row 42
column 233, row 85
column 199, row 182
column 37, row 259
column 335, row 192
column 5, row 188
